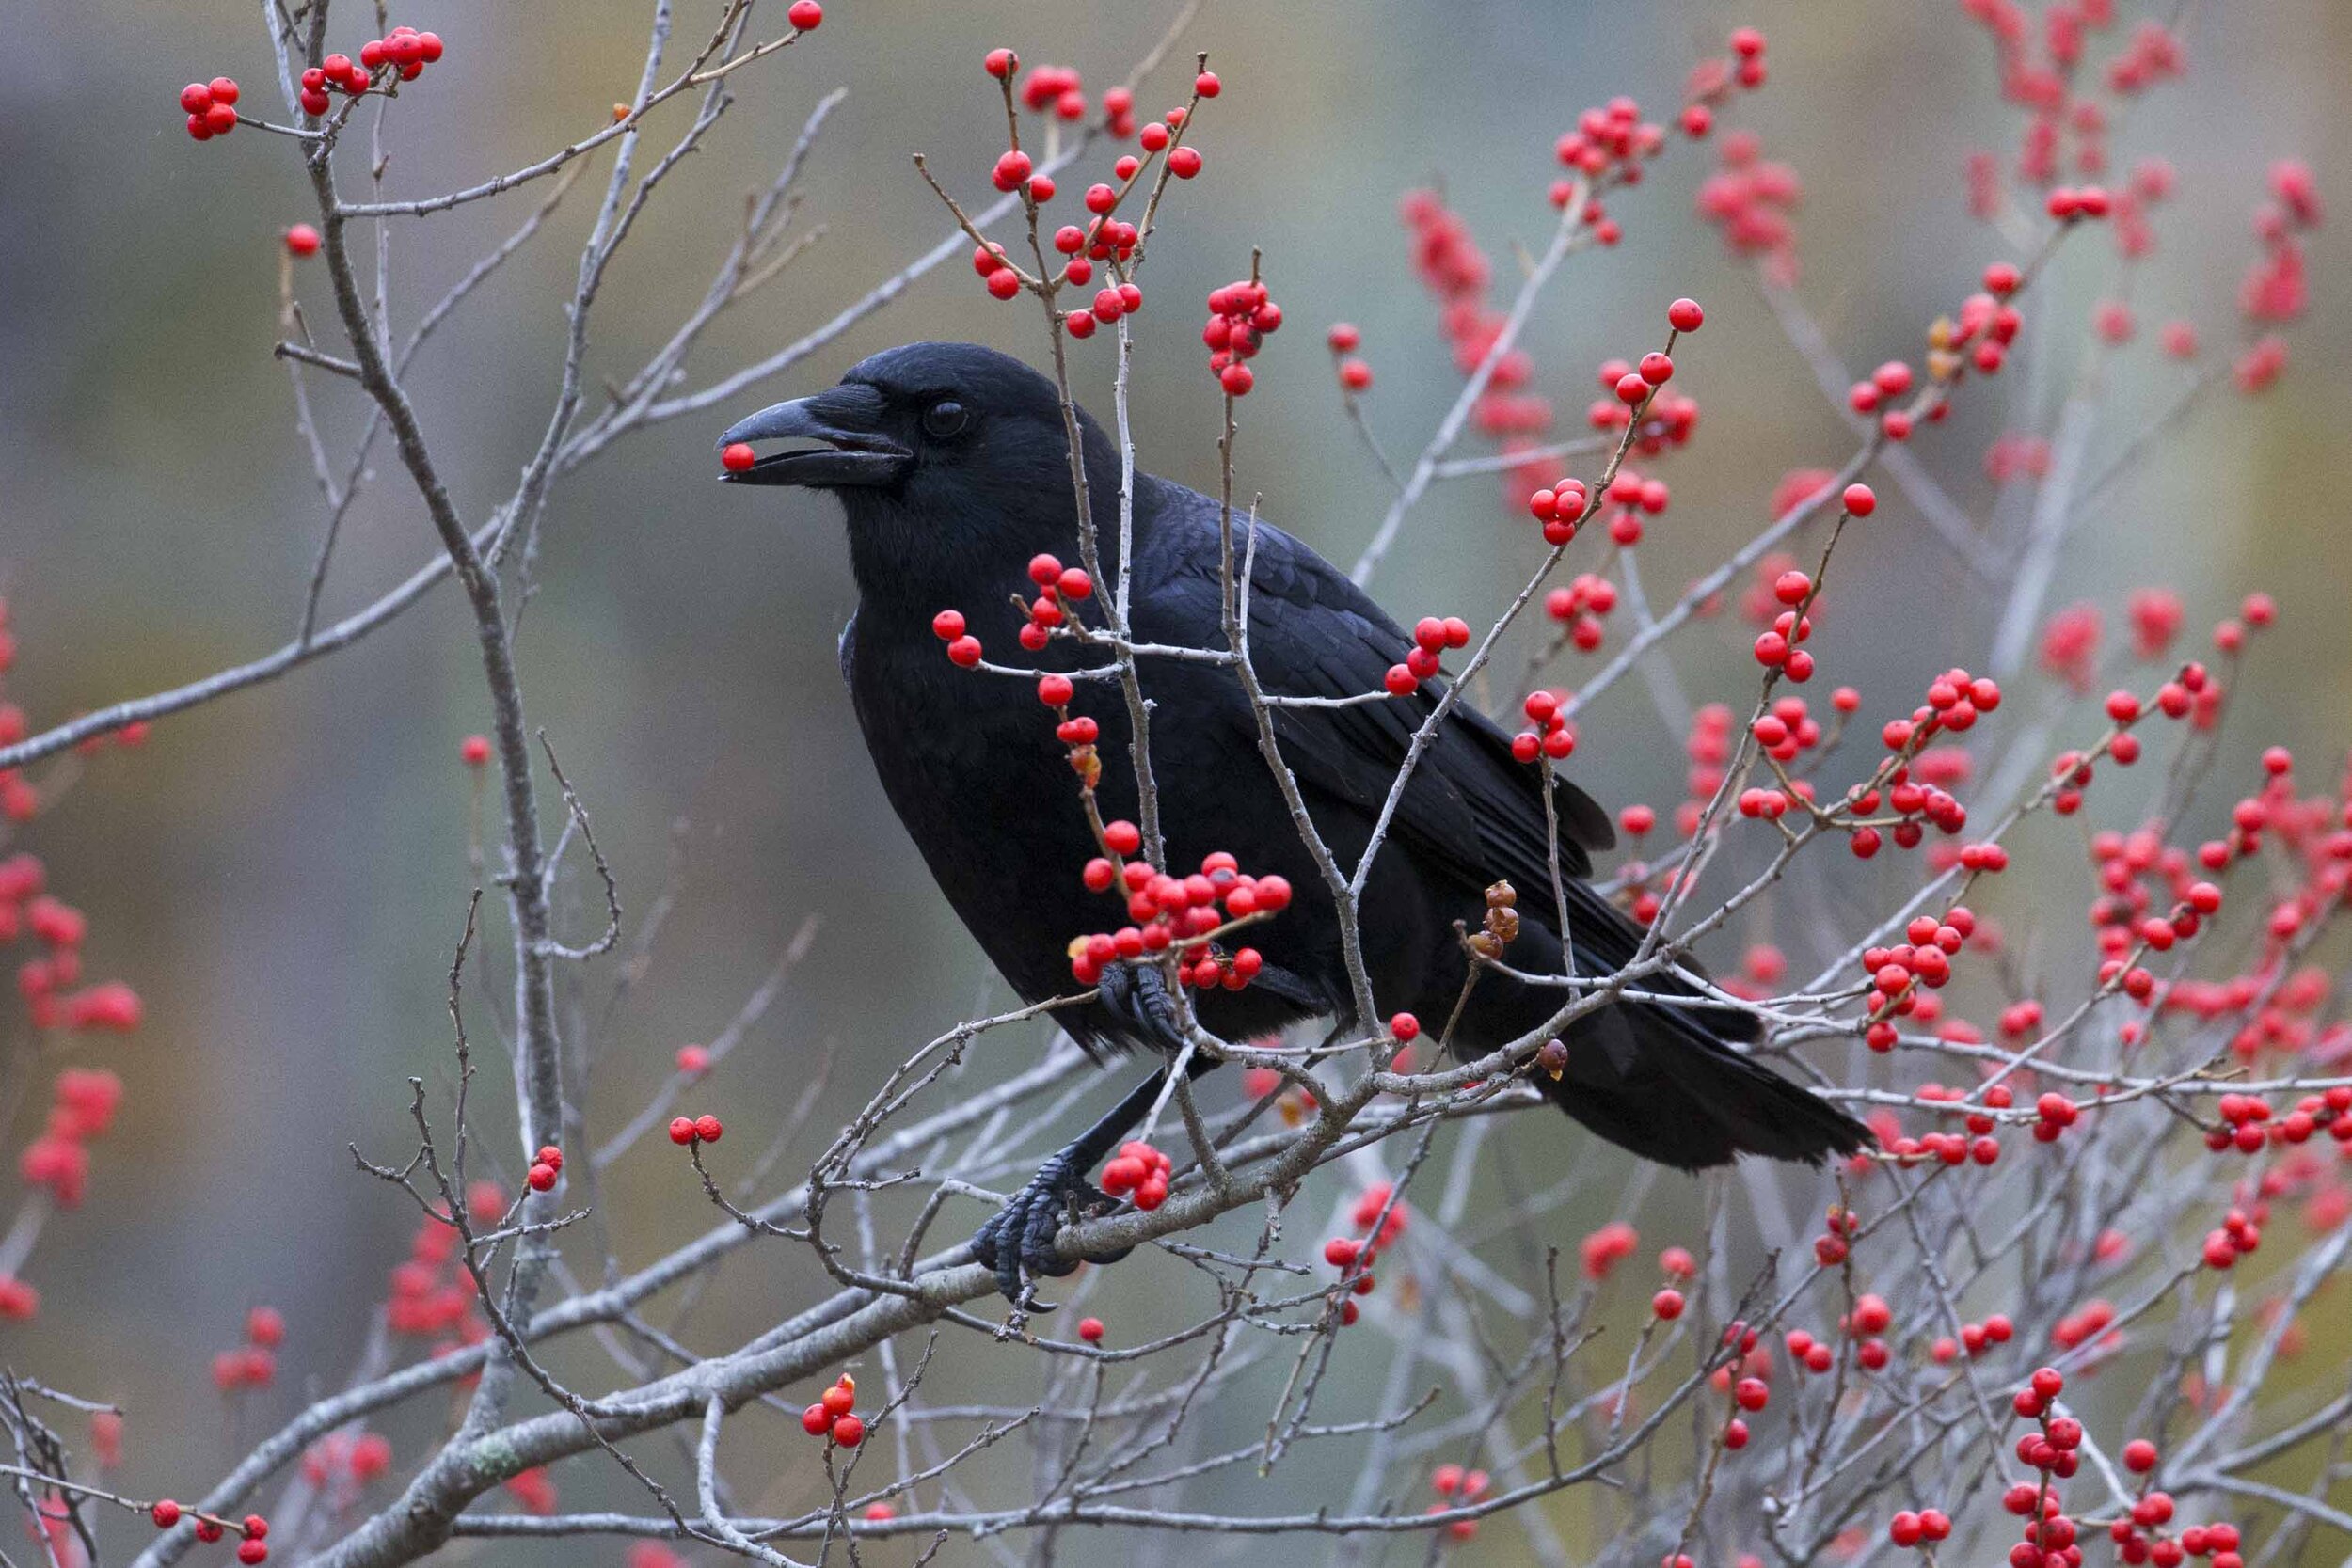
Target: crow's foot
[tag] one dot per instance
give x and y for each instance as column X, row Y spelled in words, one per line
column 1138, row 996
column 1018, row 1244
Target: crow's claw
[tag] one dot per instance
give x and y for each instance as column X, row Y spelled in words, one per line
column 1136, row 995
column 1018, row 1242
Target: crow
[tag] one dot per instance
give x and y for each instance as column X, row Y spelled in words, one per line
column 952, row 465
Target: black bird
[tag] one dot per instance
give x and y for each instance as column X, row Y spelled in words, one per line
column 953, row 466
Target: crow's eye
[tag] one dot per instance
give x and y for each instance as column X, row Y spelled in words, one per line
column 944, row 418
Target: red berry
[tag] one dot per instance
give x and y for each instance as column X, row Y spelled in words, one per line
column 681, row 1129
column 1090, row 1330
column 223, row 90
column 195, row 98
column 474, row 750
column 815, row 1420
column 709, row 1128
column 1860, row 499
column 1206, row 84
column 736, row 456
column 1684, row 315
column 1000, row 62
column 1183, row 162
column 165, row 1514
column 849, row 1431
column 805, row 15
column 542, row 1177
column 302, row 240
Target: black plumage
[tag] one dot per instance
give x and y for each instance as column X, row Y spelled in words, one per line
column 951, row 463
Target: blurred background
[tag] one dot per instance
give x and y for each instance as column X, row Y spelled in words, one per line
column 283, row 875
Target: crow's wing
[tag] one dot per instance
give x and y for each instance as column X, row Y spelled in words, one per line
column 1313, row 633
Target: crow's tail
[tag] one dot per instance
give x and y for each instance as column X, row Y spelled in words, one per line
column 1659, row 1079
column 1652, row 1079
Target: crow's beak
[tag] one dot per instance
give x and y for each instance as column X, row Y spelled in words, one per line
column 846, row 419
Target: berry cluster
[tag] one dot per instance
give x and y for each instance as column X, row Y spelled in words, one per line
column 211, row 107
column 2054, row 1449
column 1175, row 914
column 1433, row 636
column 1784, row 732
column 1679, row 1266
column 403, row 53
column 1839, row 1226
column 1344, row 340
column 1057, row 87
column 1549, row 736
column 1976, row 1143
column 2249, row 1125
column 1456, row 1487
column 1602, row 1250
column 832, row 1419
column 254, row 1363
column 1748, row 200
column 1240, row 317
column 704, row 1129
column 545, row 1167
column 1105, row 238
column 1580, row 608
column 1052, row 611
column 361, row 1459
column 1925, row 959
column 82, row 1109
column 2236, row 1237
column 1379, row 1207
column 1138, row 1171
column 1562, row 507
column 1975, row 1340
column 1926, row 1527
column 1745, row 1378
column 252, row 1530
column 25, row 909
column 430, row 1296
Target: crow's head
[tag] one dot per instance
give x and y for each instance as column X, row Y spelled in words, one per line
column 944, row 455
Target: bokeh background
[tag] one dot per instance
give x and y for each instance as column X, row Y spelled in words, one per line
column 283, row 875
